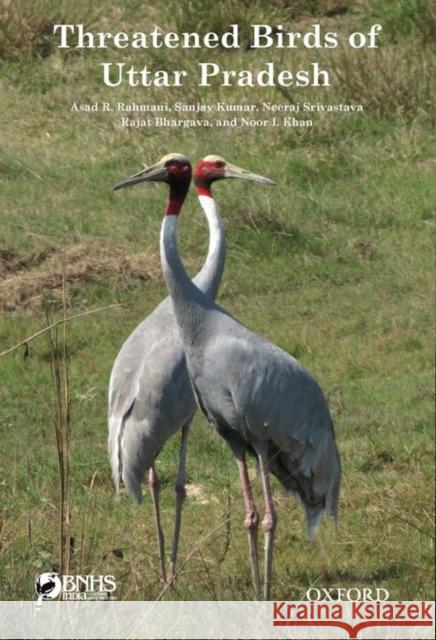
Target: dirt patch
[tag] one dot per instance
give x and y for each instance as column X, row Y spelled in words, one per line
column 26, row 280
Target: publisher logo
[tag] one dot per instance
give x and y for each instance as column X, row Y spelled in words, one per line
column 354, row 613
column 49, row 586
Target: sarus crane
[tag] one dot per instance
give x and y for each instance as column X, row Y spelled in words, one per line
column 258, row 397
column 150, row 394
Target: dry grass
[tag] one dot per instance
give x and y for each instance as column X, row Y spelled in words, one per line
column 24, row 287
column 62, row 427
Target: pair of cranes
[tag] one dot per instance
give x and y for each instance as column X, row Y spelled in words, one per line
column 191, row 352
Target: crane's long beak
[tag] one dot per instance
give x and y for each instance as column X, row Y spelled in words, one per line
column 232, row 171
column 156, row 173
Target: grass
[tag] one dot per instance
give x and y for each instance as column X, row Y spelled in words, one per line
column 333, row 264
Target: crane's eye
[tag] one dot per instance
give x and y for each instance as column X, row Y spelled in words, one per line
column 219, row 164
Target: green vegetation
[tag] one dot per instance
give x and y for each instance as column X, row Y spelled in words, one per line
column 333, row 264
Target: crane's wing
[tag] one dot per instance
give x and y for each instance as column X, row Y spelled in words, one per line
column 150, row 398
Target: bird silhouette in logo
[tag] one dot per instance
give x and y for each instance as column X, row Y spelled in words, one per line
column 48, row 586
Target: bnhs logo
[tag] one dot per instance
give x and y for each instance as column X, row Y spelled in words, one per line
column 50, row 586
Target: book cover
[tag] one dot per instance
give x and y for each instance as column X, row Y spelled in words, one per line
column 304, row 129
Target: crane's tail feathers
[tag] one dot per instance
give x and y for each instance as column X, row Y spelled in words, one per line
column 115, row 427
column 330, row 504
column 132, row 482
column 121, row 473
column 313, row 522
column 332, row 497
column 130, row 459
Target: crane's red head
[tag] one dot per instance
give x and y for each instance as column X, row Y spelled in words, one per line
column 174, row 169
column 213, row 168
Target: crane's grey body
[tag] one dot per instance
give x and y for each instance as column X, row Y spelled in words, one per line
column 260, row 399
column 150, row 397
column 253, row 392
column 150, row 393
column 258, row 396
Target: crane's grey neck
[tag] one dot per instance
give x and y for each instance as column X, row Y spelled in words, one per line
column 189, row 302
column 209, row 278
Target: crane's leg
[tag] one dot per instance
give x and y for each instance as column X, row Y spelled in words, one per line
column 154, row 488
column 269, row 523
column 180, row 498
column 251, row 520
